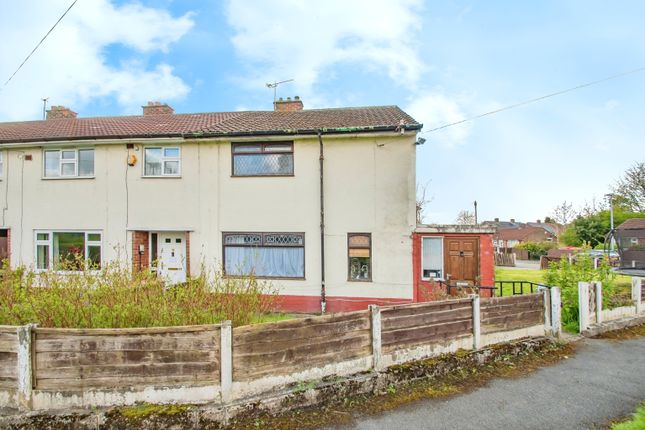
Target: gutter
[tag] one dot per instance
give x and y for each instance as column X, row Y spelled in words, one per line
column 202, row 135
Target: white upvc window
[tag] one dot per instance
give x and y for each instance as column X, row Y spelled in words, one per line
column 68, row 163
column 162, row 161
column 432, row 257
column 70, row 251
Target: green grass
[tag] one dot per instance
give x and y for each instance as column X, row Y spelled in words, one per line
column 636, row 423
column 506, row 274
column 272, row 317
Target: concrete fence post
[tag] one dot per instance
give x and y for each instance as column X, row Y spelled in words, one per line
column 226, row 361
column 25, row 366
column 547, row 309
column 598, row 291
column 377, row 353
column 583, row 306
column 477, row 327
column 556, row 311
column 637, row 293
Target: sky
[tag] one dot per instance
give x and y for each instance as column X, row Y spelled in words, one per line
column 440, row 61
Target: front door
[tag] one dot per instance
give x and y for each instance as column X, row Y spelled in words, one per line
column 172, row 257
column 462, row 261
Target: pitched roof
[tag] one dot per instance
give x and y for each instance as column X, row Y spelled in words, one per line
column 632, row 224
column 337, row 120
column 517, row 233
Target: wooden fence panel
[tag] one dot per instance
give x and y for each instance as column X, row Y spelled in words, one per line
column 407, row 326
column 8, row 358
column 286, row 347
column 75, row 359
column 513, row 312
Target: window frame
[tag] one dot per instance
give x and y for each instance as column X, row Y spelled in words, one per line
column 163, row 159
column 443, row 262
column 349, row 265
column 50, row 243
column 263, row 151
column 75, row 161
column 264, row 245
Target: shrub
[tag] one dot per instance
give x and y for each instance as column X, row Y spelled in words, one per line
column 566, row 275
column 537, row 249
column 116, row 297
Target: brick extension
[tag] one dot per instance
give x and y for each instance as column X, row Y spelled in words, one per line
column 140, row 261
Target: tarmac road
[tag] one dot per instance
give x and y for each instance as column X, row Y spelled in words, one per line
column 604, row 381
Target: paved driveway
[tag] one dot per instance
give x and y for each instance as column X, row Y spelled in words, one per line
column 603, row 381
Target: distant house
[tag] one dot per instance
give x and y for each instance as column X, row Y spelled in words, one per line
column 511, row 237
column 630, row 238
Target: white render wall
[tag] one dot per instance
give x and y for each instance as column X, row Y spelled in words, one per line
column 369, row 187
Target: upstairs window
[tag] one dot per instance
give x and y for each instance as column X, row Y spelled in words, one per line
column 69, row 163
column 162, row 161
column 432, row 258
column 359, row 249
column 262, row 159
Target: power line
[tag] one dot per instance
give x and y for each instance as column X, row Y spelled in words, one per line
column 557, row 93
column 40, row 43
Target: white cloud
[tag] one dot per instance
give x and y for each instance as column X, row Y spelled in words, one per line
column 435, row 109
column 302, row 39
column 72, row 66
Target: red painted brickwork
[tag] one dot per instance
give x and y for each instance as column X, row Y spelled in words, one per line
column 311, row 304
column 428, row 290
column 140, row 261
column 157, row 108
column 58, row 112
column 288, row 105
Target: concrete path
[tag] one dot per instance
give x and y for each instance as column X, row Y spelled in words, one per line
column 605, row 380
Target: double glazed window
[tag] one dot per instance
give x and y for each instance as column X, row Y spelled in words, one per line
column 265, row 255
column 162, row 161
column 69, row 163
column 68, row 250
column 432, row 258
column 262, row 159
column 359, row 249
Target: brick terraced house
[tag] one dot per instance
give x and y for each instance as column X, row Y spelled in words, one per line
column 322, row 202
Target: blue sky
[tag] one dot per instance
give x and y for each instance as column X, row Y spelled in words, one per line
column 439, row 60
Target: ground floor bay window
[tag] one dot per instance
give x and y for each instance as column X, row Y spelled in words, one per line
column 265, row 255
column 68, row 250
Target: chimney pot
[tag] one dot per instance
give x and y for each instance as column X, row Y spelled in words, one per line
column 288, row 105
column 157, row 108
column 539, row 221
column 58, row 112
column 513, row 220
column 496, row 219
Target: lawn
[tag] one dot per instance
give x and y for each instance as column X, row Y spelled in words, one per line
column 636, row 423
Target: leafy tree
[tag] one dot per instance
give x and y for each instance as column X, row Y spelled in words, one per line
column 536, row 249
column 631, row 188
column 593, row 228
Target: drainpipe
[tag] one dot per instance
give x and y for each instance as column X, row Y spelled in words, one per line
column 323, row 298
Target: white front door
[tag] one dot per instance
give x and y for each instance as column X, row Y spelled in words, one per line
column 172, row 257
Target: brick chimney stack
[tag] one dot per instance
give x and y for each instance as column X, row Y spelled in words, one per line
column 157, row 108
column 288, row 105
column 58, row 112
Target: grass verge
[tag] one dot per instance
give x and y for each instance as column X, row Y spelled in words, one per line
column 636, row 423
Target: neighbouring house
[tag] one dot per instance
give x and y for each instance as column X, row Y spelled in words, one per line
column 510, row 237
column 630, row 241
column 452, row 255
column 321, row 202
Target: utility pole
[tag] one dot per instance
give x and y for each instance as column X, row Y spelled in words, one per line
column 45, row 107
column 475, row 204
column 611, row 221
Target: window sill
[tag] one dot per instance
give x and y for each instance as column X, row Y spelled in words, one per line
column 359, row 280
column 64, row 178
column 160, row 176
column 271, row 278
column 69, row 272
column 263, row 176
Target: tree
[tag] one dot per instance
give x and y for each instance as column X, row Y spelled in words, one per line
column 563, row 213
column 631, row 188
column 422, row 201
column 465, row 217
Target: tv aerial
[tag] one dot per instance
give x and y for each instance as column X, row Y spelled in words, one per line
column 274, row 85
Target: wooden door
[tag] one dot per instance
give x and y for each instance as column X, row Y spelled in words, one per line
column 462, row 260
